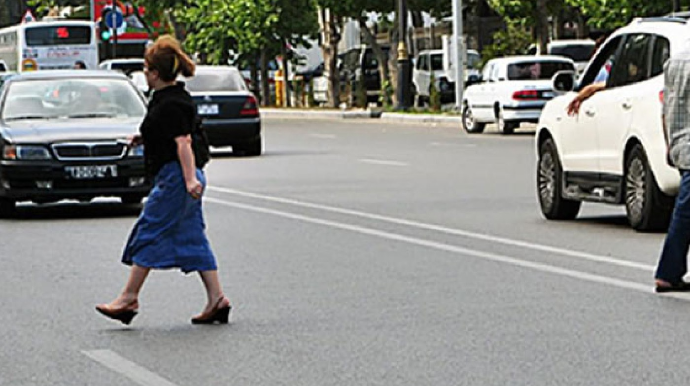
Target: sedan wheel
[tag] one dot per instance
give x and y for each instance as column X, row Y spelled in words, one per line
column 549, row 183
column 647, row 207
column 469, row 123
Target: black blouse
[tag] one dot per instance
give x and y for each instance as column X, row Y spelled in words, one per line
column 171, row 114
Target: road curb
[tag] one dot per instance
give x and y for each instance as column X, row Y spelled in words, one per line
column 317, row 114
column 361, row 114
column 420, row 118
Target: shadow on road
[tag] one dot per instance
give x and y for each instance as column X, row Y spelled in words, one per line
column 618, row 221
column 69, row 211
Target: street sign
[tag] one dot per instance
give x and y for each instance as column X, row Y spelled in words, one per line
column 113, row 19
column 28, row 17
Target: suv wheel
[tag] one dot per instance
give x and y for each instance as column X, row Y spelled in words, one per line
column 549, row 185
column 647, row 207
column 469, row 123
column 505, row 127
column 7, row 208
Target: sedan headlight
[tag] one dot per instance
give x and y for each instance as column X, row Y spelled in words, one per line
column 25, row 152
column 136, row 151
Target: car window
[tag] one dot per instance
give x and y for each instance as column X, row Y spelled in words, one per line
column 76, row 98
column 537, row 70
column 576, row 52
column 205, row 81
column 473, row 60
column 660, row 54
column 436, row 62
column 601, row 64
column 2, row 67
column 632, row 65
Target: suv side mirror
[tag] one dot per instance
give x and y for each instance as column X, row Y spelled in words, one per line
column 473, row 79
column 564, row 81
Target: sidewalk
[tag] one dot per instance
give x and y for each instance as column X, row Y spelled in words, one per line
column 361, row 114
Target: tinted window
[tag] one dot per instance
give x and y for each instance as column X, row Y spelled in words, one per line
column 2, row 67
column 661, row 53
column 128, row 67
column 205, row 81
column 436, row 62
column 633, row 64
column 578, row 53
column 473, row 60
column 370, row 60
column 537, row 70
column 57, row 35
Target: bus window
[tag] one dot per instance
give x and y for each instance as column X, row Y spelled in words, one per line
column 57, row 35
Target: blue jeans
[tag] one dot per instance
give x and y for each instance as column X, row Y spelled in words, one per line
column 673, row 264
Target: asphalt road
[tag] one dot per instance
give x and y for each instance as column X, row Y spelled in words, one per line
column 355, row 253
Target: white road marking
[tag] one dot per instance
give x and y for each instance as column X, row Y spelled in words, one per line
column 611, row 281
column 442, row 229
column 131, row 370
column 381, row 162
column 446, row 144
column 323, row 136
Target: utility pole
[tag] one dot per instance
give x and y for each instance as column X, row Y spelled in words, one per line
column 459, row 54
column 404, row 68
column 676, row 5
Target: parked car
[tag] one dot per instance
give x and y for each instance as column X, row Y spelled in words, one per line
column 361, row 66
column 63, row 136
column 430, row 62
column 512, row 90
column 427, row 65
column 126, row 66
column 229, row 111
column 614, row 151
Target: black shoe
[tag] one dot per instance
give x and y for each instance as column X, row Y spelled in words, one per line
column 675, row 287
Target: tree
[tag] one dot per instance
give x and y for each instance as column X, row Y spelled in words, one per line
column 613, row 14
column 530, row 12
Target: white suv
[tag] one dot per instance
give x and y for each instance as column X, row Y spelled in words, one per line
column 614, row 151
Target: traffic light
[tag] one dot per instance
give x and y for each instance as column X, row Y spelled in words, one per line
column 103, row 29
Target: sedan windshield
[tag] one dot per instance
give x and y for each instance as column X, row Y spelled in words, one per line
column 538, row 70
column 578, row 53
column 221, row 80
column 72, row 98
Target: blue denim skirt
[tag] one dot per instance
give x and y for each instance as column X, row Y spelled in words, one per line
column 170, row 232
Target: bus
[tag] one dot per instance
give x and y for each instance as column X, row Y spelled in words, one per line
column 49, row 45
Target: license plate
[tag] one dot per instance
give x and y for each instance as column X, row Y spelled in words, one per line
column 547, row 94
column 208, row 109
column 91, row 171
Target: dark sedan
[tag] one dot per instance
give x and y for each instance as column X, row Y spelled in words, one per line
column 229, row 111
column 63, row 135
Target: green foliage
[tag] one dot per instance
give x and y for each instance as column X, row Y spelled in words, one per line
column 434, row 95
column 386, row 97
column 613, row 14
column 515, row 40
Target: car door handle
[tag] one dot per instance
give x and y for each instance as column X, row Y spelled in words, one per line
column 590, row 112
column 627, row 105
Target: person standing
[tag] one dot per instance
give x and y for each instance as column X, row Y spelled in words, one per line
column 170, row 232
column 673, row 263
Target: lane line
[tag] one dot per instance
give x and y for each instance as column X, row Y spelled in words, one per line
column 447, row 230
column 131, row 370
column 611, row 281
column 445, row 144
column 382, row 162
column 322, row 136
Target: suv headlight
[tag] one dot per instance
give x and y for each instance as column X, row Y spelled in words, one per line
column 136, row 151
column 25, row 152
